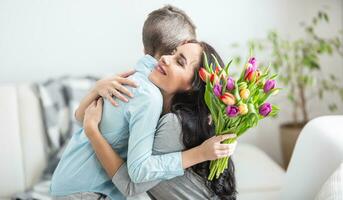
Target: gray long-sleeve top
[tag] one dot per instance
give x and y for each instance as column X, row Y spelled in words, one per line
column 189, row 186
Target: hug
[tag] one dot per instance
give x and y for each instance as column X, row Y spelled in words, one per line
column 149, row 130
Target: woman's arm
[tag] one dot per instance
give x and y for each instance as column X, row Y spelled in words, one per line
column 211, row 149
column 112, row 162
column 106, row 88
column 85, row 102
column 143, row 166
column 168, row 138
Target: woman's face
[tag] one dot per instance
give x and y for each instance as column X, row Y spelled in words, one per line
column 174, row 73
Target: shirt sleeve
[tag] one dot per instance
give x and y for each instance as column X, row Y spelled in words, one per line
column 167, row 139
column 124, row 184
column 142, row 165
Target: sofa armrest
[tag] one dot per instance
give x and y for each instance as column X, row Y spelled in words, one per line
column 317, row 153
column 22, row 139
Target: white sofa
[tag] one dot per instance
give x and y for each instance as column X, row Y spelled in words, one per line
column 22, row 140
column 23, row 159
column 317, row 154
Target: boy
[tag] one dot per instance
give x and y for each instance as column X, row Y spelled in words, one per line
column 79, row 170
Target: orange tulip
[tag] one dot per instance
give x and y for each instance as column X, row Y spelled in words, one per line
column 228, row 99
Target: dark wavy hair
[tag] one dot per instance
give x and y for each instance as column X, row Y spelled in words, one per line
column 191, row 109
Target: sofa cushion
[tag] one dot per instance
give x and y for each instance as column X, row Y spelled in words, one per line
column 59, row 99
column 256, row 171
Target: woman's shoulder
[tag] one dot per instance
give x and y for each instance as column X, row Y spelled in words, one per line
column 169, row 118
column 169, row 123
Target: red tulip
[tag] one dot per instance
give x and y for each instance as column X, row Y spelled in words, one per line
column 214, row 78
column 203, row 74
column 218, row 69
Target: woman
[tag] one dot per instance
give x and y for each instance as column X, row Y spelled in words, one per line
column 79, row 170
column 185, row 126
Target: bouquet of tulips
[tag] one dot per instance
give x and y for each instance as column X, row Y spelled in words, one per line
column 236, row 104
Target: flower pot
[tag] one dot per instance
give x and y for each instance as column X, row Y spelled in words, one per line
column 289, row 135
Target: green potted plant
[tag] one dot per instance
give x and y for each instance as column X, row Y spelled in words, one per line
column 298, row 64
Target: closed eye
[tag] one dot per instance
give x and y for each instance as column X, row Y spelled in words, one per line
column 180, row 63
column 183, row 58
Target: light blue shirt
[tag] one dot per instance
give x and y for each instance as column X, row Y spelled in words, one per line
column 130, row 130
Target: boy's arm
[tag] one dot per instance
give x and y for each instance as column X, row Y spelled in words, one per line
column 168, row 129
column 143, row 114
column 123, row 183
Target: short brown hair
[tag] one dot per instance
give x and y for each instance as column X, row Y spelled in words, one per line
column 165, row 29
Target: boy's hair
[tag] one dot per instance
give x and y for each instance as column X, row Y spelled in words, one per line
column 165, row 29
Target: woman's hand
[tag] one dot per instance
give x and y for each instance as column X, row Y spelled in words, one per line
column 105, row 88
column 213, row 149
column 113, row 86
column 93, row 117
column 108, row 158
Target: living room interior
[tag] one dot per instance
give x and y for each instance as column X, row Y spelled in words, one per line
column 52, row 53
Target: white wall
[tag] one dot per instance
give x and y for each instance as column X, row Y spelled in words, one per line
column 41, row 39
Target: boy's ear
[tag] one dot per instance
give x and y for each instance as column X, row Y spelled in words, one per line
column 186, row 41
column 157, row 56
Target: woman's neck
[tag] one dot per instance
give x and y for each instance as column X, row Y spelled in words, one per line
column 167, row 98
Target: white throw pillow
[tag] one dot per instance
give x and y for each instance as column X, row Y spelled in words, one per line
column 333, row 187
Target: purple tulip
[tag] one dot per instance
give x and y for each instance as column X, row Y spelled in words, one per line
column 253, row 62
column 265, row 109
column 217, row 89
column 232, row 111
column 230, row 84
column 269, row 85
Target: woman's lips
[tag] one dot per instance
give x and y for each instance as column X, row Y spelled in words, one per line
column 160, row 69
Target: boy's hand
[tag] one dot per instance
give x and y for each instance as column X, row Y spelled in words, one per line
column 113, row 86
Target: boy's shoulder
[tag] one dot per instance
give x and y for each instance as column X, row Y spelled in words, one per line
column 145, row 64
column 145, row 88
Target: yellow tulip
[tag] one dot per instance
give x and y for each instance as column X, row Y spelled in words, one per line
column 243, row 109
column 244, row 93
